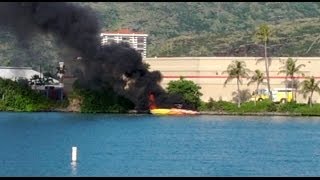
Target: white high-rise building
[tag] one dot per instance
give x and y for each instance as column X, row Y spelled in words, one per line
column 137, row 40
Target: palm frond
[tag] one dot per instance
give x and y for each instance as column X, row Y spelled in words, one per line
column 237, row 69
column 228, row 80
column 282, row 72
column 300, row 66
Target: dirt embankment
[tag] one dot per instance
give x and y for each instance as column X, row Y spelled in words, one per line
column 74, row 106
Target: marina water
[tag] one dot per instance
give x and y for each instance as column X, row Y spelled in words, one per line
column 39, row 144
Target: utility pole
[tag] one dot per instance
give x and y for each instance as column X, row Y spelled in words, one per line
column 40, row 73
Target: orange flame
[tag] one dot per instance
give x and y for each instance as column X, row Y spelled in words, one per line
column 152, row 101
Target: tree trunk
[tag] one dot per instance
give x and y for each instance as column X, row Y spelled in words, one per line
column 293, row 93
column 267, row 69
column 255, row 99
column 238, row 93
column 286, row 85
column 310, row 99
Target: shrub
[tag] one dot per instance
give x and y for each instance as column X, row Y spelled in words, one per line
column 189, row 90
column 102, row 101
column 288, row 107
column 16, row 96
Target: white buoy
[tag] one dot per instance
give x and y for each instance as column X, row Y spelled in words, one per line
column 74, row 154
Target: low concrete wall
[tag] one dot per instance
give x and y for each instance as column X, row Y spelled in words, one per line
column 207, row 72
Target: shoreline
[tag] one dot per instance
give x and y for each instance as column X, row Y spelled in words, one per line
column 252, row 113
column 214, row 113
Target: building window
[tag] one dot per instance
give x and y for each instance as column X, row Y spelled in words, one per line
column 111, row 41
column 126, row 39
column 140, row 46
column 136, row 41
column 140, row 39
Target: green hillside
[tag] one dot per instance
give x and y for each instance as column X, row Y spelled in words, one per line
column 192, row 29
column 296, row 38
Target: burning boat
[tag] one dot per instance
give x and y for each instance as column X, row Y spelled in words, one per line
column 166, row 111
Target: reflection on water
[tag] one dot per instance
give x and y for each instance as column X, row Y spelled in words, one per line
column 73, row 168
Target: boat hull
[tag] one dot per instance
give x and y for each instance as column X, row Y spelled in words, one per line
column 173, row 111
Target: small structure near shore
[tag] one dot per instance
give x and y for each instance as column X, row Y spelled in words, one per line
column 52, row 90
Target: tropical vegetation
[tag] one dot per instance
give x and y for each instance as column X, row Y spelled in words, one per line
column 103, row 100
column 263, row 35
column 265, row 107
column 189, row 90
column 237, row 70
column 258, row 78
column 290, row 69
column 17, row 96
column 310, row 85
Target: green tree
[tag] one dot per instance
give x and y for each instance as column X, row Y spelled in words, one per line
column 18, row 97
column 104, row 100
column 258, row 78
column 189, row 90
column 237, row 70
column 263, row 35
column 310, row 86
column 290, row 69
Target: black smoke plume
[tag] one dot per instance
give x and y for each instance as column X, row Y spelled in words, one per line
column 78, row 27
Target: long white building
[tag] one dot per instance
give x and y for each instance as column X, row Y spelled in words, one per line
column 137, row 40
column 15, row 73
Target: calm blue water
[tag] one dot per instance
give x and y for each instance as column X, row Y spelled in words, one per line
column 39, row 144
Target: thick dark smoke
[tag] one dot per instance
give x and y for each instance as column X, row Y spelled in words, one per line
column 78, row 27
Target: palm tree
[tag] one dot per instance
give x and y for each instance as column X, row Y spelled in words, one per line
column 310, row 86
column 244, row 95
column 238, row 70
column 258, row 78
column 290, row 69
column 263, row 35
